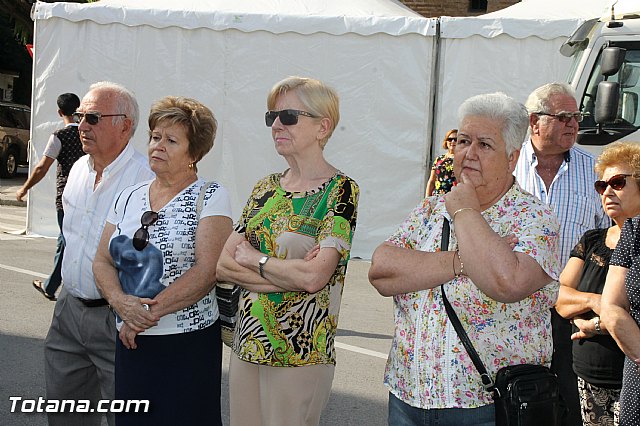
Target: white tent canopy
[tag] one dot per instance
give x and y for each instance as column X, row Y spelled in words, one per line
column 397, row 92
column 228, row 54
column 513, row 50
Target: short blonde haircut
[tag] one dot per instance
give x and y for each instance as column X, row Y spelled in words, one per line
column 449, row 133
column 617, row 154
column 197, row 119
column 317, row 98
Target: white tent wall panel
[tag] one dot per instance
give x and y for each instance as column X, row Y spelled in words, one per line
column 382, row 80
column 510, row 65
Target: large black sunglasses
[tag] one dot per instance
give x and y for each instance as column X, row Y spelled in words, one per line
column 564, row 117
column 288, row 117
column 141, row 237
column 616, row 182
column 92, row 117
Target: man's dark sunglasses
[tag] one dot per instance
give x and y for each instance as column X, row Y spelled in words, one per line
column 92, row 117
column 564, row 117
column 616, row 182
column 288, row 117
column 141, row 237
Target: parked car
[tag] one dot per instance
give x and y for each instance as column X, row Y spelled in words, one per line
column 15, row 122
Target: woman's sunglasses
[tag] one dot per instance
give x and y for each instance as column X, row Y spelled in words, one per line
column 452, row 140
column 92, row 117
column 288, row 117
column 141, row 237
column 616, row 182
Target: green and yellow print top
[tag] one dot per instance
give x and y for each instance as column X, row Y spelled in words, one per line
column 295, row 328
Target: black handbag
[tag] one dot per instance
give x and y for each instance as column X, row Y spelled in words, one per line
column 524, row 394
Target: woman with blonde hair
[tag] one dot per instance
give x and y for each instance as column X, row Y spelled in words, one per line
column 620, row 304
column 597, row 360
column 289, row 254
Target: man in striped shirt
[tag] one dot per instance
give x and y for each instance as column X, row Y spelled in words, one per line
column 561, row 175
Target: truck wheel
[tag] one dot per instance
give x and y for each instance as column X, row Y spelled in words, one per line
column 8, row 165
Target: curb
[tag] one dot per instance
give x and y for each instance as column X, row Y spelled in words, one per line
column 13, row 203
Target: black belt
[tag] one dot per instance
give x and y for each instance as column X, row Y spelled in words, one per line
column 93, row 303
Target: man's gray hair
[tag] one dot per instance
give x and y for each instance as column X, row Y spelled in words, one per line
column 504, row 109
column 126, row 103
column 538, row 100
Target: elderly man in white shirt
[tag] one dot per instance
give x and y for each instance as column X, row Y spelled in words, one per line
column 80, row 345
column 552, row 169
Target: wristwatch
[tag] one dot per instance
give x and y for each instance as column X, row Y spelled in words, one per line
column 263, row 261
column 596, row 325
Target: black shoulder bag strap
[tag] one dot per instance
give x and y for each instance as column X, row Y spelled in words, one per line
column 487, row 381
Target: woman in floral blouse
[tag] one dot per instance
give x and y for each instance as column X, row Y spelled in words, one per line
column 442, row 178
column 289, row 254
column 497, row 273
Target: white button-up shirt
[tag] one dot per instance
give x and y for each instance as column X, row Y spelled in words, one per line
column 571, row 195
column 85, row 214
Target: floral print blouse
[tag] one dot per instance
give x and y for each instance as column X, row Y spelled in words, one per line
column 428, row 367
column 445, row 180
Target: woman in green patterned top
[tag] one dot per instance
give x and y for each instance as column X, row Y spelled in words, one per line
column 289, row 254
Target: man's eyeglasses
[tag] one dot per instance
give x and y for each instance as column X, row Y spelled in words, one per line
column 288, row 117
column 616, row 182
column 92, row 117
column 141, row 237
column 565, row 117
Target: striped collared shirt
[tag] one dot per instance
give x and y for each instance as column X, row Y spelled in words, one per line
column 571, row 195
column 85, row 213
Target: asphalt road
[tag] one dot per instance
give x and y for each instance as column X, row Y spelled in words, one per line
column 365, row 327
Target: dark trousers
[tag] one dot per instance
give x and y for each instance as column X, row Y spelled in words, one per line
column 562, row 365
column 55, row 279
column 179, row 374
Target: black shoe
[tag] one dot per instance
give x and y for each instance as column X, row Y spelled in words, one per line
column 37, row 284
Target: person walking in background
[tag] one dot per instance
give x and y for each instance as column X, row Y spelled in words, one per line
column 497, row 271
column 139, row 276
column 442, row 178
column 289, row 254
column 80, row 346
column 65, row 147
column 597, row 359
column 551, row 168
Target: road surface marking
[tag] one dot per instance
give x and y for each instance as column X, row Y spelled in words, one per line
column 360, row 350
column 340, row 345
column 24, row 271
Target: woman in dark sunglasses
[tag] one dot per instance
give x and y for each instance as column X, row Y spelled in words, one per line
column 289, row 254
column 442, row 179
column 620, row 303
column 597, row 359
column 156, row 267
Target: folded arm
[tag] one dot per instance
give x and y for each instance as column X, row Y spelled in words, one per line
column 572, row 302
column 489, row 261
column 615, row 314
column 239, row 264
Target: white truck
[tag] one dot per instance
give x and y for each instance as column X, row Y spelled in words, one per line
column 605, row 74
